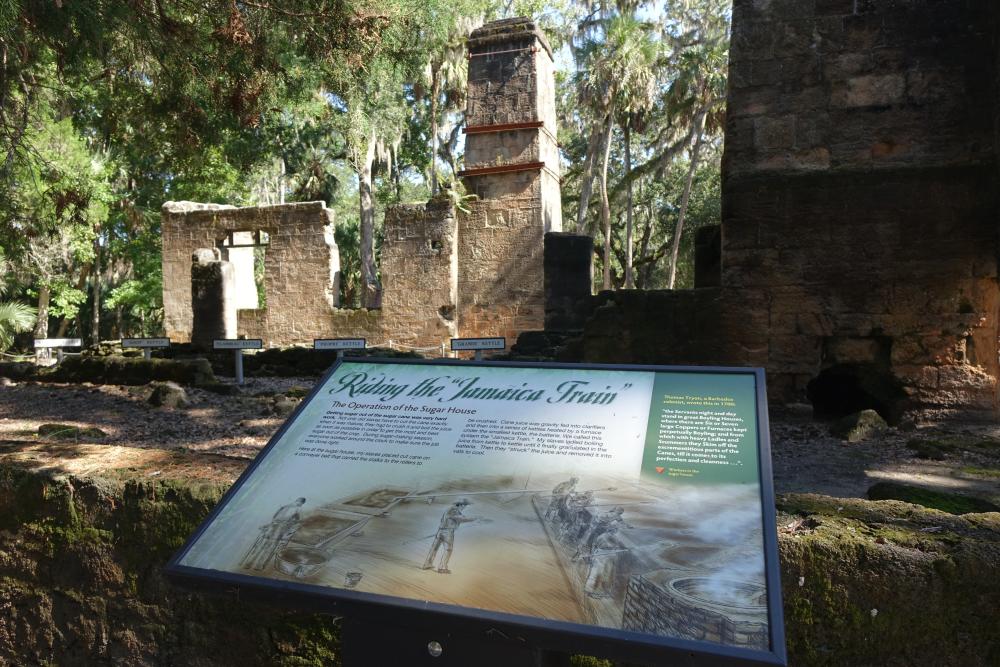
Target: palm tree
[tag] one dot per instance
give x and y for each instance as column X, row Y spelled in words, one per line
column 15, row 318
column 620, row 79
column 699, row 93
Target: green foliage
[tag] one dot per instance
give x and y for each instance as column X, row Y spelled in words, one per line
column 108, row 109
column 14, row 318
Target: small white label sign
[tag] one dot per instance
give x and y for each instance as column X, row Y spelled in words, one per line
column 145, row 342
column 237, row 344
column 57, row 342
column 478, row 343
column 339, row 344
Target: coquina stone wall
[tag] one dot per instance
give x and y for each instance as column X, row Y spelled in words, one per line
column 301, row 266
column 512, row 167
column 860, row 215
column 476, row 271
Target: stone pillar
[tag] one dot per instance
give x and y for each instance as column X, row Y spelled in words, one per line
column 213, row 298
column 569, row 279
column 512, row 166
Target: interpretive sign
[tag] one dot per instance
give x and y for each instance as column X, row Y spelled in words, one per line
column 339, row 344
column 49, row 343
column 237, row 343
column 146, row 342
column 458, row 344
column 628, row 510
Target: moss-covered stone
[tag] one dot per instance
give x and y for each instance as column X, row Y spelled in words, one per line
column 953, row 503
column 888, row 583
column 129, row 370
column 858, row 426
column 81, row 570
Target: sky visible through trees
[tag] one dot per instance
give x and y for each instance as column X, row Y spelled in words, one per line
column 108, row 109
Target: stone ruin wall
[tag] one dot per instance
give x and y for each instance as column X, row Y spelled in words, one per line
column 860, row 190
column 444, row 273
column 301, row 266
column 419, row 274
column 512, row 168
column 860, row 219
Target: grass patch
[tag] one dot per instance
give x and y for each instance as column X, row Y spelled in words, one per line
column 934, row 450
column 993, row 473
column 938, row 449
column 953, row 503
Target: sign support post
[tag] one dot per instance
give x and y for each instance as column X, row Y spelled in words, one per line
column 237, row 345
column 363, row 643
column 238, row 366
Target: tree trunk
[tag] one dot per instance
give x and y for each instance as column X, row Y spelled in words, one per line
column 605, row 205
column 281, row 180
column 95, row 316
column 42, row 322
column 629, row 279
column 686, row 198
column 435, row 92
column 587, row 180
column 371, row 291
column 647, row 270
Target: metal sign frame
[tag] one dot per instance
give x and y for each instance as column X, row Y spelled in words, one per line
column 478, row 344
column 345, row 341
column 247, row 344
column 575, row 638
column 145, row 343
column 56, row 343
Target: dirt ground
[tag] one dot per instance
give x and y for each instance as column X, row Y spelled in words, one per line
column 215, row 435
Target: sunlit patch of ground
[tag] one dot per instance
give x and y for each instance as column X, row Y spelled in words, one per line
column 806, row 458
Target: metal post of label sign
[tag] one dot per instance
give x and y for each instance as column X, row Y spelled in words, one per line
column 59, row 355
column 238, row 365
column 363, row 643
column 237, row 345
column 479, row 355
column 147, row 353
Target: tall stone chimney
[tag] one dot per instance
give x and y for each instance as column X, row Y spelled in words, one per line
column 512, row 166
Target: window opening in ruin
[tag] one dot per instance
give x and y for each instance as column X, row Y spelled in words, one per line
column 246, row 251
column 847, row 388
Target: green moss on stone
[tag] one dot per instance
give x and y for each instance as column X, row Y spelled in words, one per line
column 953, row 503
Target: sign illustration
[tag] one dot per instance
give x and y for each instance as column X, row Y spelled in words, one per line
column 615, row 502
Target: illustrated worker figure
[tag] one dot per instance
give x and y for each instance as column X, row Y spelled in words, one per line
column 600, row 575
column 559, row 494
column 577, row 515
column 273, row 535
column 612, row 518
column 445, row 536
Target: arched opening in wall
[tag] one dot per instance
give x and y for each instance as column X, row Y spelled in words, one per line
column 844, row 389
column 246, row 250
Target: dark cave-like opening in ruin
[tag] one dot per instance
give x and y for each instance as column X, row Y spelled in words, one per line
column 847, row 388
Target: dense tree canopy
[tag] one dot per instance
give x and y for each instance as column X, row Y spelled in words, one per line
column 109, row 108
